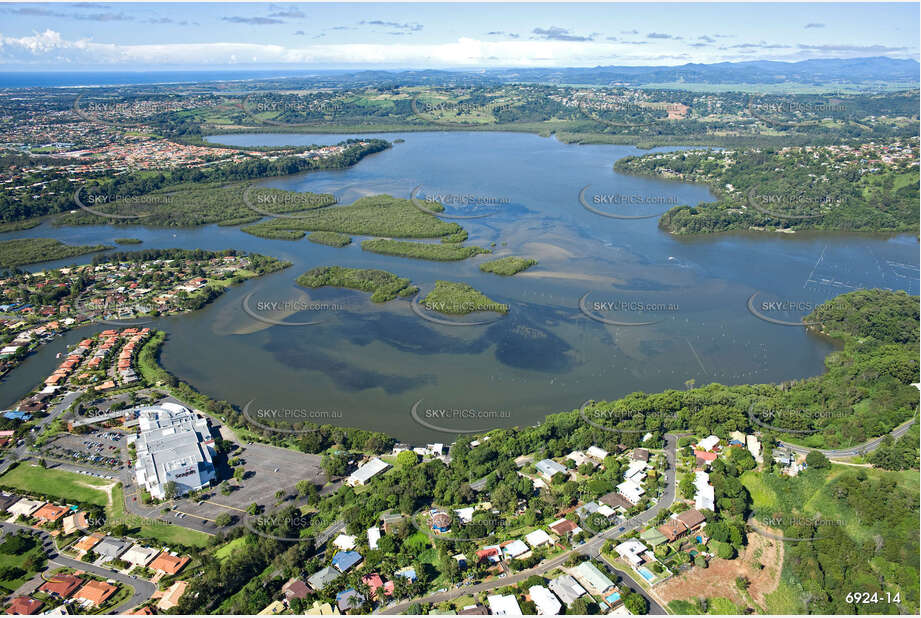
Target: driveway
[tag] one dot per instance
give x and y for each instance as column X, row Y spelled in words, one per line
column 143, row 589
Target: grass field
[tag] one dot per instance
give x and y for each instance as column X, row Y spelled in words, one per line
column 224, row 551
column 10, row 560
column 68, row 486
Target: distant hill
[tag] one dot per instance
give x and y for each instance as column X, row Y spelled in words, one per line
column 816, row 72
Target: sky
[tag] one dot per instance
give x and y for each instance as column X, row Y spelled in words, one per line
column 126, row 36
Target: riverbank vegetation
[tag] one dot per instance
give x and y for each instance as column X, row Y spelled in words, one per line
column 21, row 251
column 453, row 298
column 868, row 188
column 382, row 285
column 192, row 204
column 507, row 266
column 421, row 251
column 128, row 241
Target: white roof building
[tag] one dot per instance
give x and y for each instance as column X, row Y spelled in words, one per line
column 631, row 490
column 578, row 457
column 174, row 445
column 546, row 602
column 374, row 535
column 515, row 548
column 140, row 555
column 597, row 453
column 465, row 515
column 592, row 578
column 366, row 472
column 754, row 447
column 503, row 605
column 566, row 588
column 548, row 468
column 345, row 542
column 25, row 507
column 631, row 551
column 704, row 498
column 708, row 443
column 636, row 471
column 537, row 538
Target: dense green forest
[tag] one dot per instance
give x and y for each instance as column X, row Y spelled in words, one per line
column 376, row 215
column 453, row 298
column 382, row 285
column 799, row 189
column 21, row 251
column 447, row 252
column 507, row 266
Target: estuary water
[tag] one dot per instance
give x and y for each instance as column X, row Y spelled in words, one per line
column 656, row 311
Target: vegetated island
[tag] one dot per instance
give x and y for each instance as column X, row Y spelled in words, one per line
column 453, row 298
column 374, row 215
column 21, row 251
column 507, row 266
column 870, row 187
column 382, row 285
column 332, row 239
column 128, row 241
column 423, row 251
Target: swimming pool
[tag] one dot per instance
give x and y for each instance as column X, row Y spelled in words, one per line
column 646, row 573
column 613, row 598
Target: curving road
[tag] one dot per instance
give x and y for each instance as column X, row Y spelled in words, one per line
column 592, row 547
column 860, row 449
column 143, row 589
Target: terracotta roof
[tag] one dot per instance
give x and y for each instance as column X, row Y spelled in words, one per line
column 61, row 584
column 168, row 563
column 95, row 592
column 673, row 529
column 24, row 606
column 171, row 597
column 564, row 526
column 50, row 512
column 295, row 589
column 88, row 542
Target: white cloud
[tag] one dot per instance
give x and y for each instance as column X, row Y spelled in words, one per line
column 49, row 47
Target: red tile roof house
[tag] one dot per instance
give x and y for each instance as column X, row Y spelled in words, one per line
column 168, row 563
column 373, row 581
column 705, row 455
column 61, row 585
column 24, row 606
column 50, row 512
column 673, row 529
column 95, row 593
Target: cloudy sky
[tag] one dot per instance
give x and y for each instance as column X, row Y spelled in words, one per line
column 271, row 35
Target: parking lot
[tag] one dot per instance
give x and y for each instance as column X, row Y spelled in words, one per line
column 268, row 469
column 100, row 448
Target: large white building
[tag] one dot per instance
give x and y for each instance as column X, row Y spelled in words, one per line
column 174, row 444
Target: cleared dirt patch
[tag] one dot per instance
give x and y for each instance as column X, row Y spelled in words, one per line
column 719, row 579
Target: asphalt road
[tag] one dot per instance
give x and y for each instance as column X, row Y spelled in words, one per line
column 592, row 547
column 143, row 589
column 860, row 449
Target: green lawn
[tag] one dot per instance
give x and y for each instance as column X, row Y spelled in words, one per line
column 9, row 560
column 762, row 495
column 68, row 486
column 224, row 551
